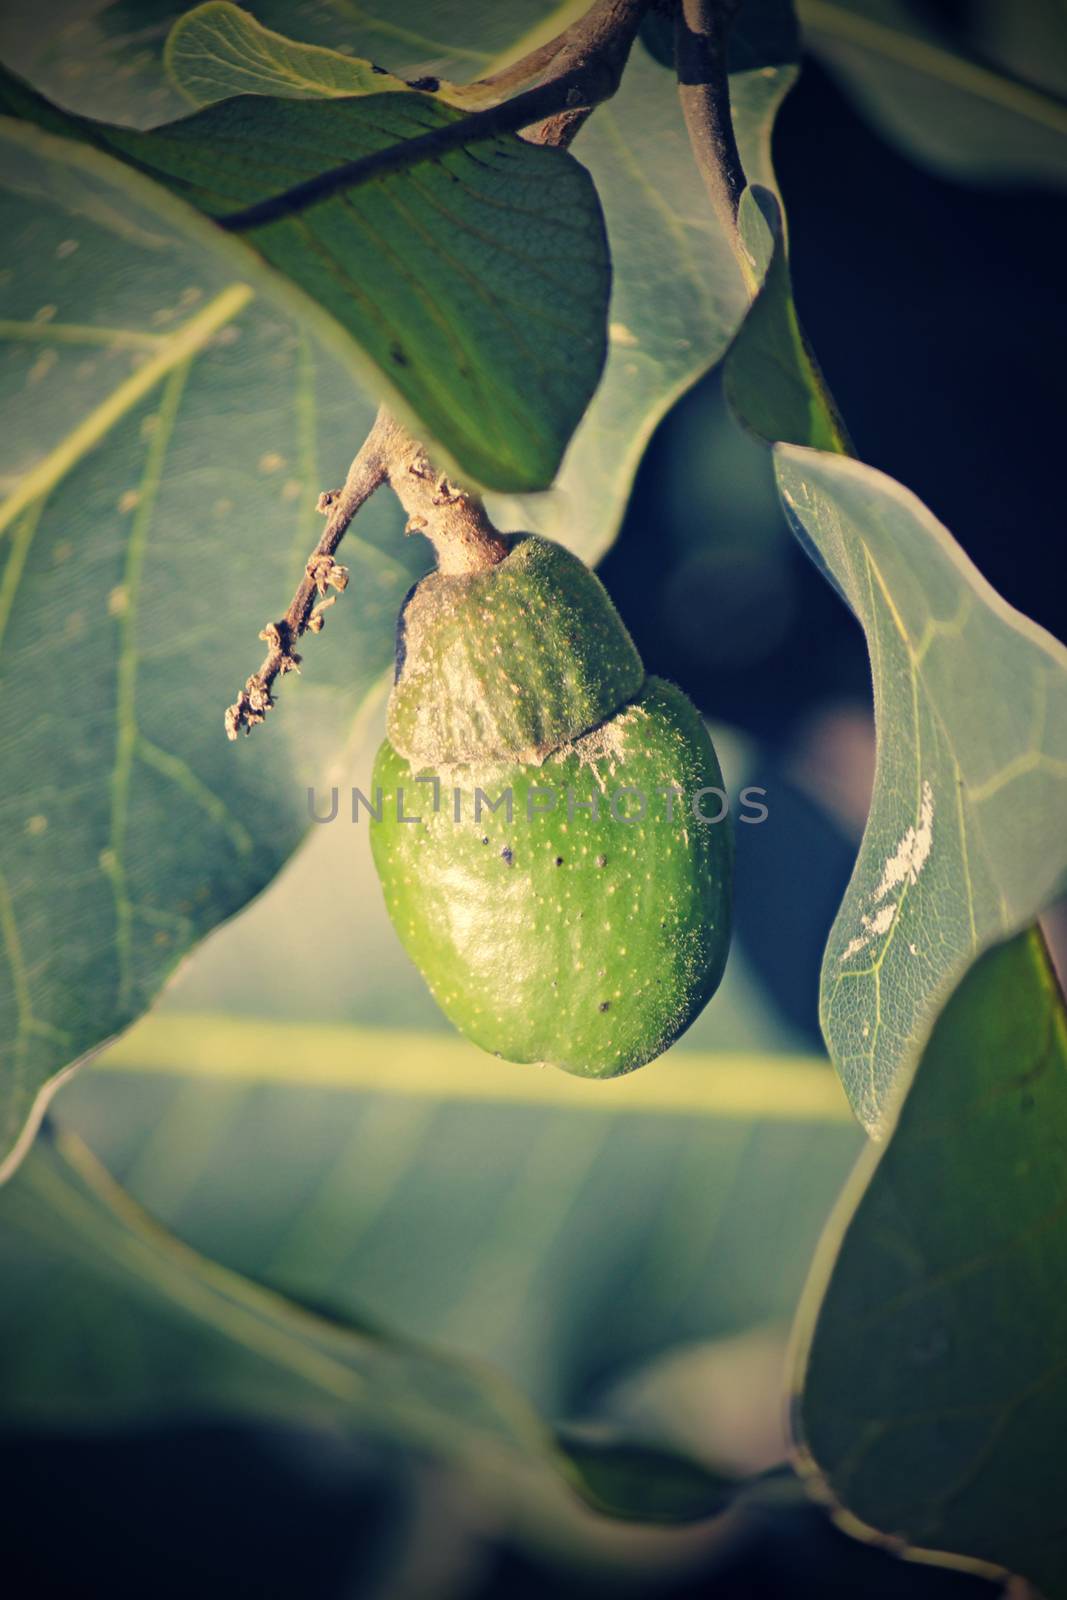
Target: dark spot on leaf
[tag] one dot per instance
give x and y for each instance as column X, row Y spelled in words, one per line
column 485, row 841
column 429, row 85
column 605, row 1005
column 559, row 861
column 396, row 354
column 506, row 854
column 376, row 68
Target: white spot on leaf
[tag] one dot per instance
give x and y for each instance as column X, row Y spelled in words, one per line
column 910, row 856
column 902, row 867
column 873, row 927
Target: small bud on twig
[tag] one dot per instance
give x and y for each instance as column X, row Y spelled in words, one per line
column 339, row 506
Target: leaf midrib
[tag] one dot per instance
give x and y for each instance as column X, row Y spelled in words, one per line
column 440, row 1067
column 184, row 342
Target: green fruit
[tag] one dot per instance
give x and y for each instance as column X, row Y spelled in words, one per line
column 589, row 943
column 514, row 660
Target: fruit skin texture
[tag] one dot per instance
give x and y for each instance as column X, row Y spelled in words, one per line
column 511, row 661
column 588, row 944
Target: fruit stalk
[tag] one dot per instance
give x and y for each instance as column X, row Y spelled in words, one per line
column 453, row 519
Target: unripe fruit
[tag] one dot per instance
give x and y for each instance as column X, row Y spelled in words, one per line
column 587, row 923
column 511, row 661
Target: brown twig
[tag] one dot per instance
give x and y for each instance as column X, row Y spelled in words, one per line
column 367, row 473
column 452, row 518
column 604, row 21
column 583, row 70
column 558, row 131
column 588, row 59
column 701, row 34
column 526, row 68
column 702, row 29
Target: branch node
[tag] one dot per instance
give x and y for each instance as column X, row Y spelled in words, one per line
column 278, row 636
column 321, row 572
column 316, row 621
column 446, row 493
column 250, row 707
column 325, row 573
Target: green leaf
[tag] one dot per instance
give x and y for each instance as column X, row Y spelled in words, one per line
column 173, row 413
column 442, row 1066
column 475, row 279
column 933, row 1402
column 677, row 295
column 410, row 1177
column 963, row 843
column 105, row 57
column 770, row 375
column 217, row 50
column 164, row 1333
column 963, row 116
column 965, row 840
column 638, row 153
column 642, row 1483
